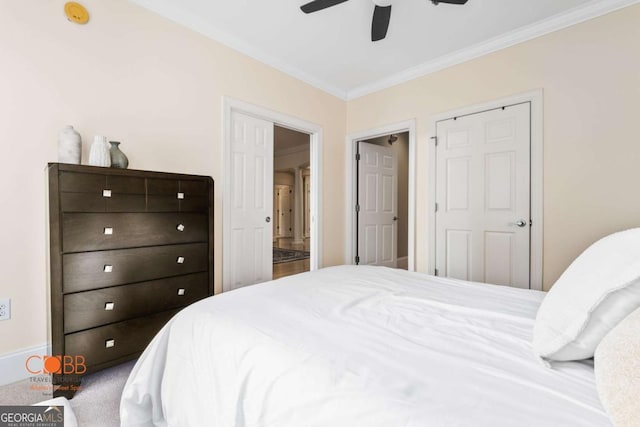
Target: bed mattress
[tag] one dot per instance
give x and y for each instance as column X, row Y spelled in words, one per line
column 358, row 346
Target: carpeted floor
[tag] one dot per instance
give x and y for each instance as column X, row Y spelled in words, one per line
column 97, row 403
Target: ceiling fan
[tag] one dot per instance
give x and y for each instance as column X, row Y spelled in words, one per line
column 381, row 13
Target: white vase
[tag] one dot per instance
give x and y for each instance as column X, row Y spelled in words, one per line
column 69, row 146
column 99, row 154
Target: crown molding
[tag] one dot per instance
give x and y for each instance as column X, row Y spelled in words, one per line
column 574, row 16
column 176, row 14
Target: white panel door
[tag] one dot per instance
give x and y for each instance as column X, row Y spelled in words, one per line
column 283, row 211
column 307, row 206
column 251, row 201
column 483, row 197
column 378, row 203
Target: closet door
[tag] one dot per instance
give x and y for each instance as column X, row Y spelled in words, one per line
column 483, row 196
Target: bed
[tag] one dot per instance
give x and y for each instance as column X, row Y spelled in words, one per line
column 358, row 346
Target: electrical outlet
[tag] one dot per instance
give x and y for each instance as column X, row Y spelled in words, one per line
column 5, row 309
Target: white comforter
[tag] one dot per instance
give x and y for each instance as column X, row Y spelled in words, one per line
column 358, row 346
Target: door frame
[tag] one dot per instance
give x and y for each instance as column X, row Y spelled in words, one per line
column 351, row 180
column 536, row 98
column 230, row 105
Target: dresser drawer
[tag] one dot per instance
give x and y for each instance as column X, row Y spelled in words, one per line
column 195, row 204
column 194, row 187
column 114, row 341
column 89, row 309
column 194, row 196
column 162, row 195
column 86, row 192
column 171, row 196
column 126, row 184
column 165, row 187
column 95, row 202
column 80, row 182
column 189, row 203
column 83, row 202
column 160, row 203
column 93, row 231
column 93, row 270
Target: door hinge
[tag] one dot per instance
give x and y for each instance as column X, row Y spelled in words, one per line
column 436, row 208
column 357, row 260
column 435, row 140
column 358, row 157
column 357, row 208
column 435, row 272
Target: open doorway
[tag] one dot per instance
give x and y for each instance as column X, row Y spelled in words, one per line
column 382, row 194
column 248, row 173
column 351, row 166
column 291, row 202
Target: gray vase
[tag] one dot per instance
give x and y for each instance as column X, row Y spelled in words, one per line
column 118, row 159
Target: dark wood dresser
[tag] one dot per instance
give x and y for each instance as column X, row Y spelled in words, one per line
column 128, row 250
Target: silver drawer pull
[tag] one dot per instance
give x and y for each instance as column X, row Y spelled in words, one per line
column 181, row 291
column 180, row 227
column 106, row 193
column 108, row 231
column 180, row 196
column 109, row 306
column 180, row 260
column 109, row 343
column 108, row 268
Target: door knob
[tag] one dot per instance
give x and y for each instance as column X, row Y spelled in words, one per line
column 395, row 218
column 268, row 219
column 521, row 223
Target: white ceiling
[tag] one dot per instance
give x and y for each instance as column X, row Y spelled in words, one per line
column 332, row 50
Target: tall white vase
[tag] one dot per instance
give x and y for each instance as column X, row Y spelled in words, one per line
column 69, row 146
column 99, row 154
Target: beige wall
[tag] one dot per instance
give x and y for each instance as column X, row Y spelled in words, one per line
column 401, row 150
column 590, row 74
column 140, row 79
column 157, row 87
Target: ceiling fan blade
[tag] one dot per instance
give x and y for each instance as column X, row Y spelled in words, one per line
column 380, row 24
column 449, row 1
column 317, row 5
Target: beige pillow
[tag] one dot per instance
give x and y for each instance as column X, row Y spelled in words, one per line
column 617, row 366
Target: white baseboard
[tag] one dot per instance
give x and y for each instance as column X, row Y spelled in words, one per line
column 403, row 263
column 12, row 365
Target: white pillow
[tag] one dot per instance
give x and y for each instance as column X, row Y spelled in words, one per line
column 617, row 368
column 599, row 289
